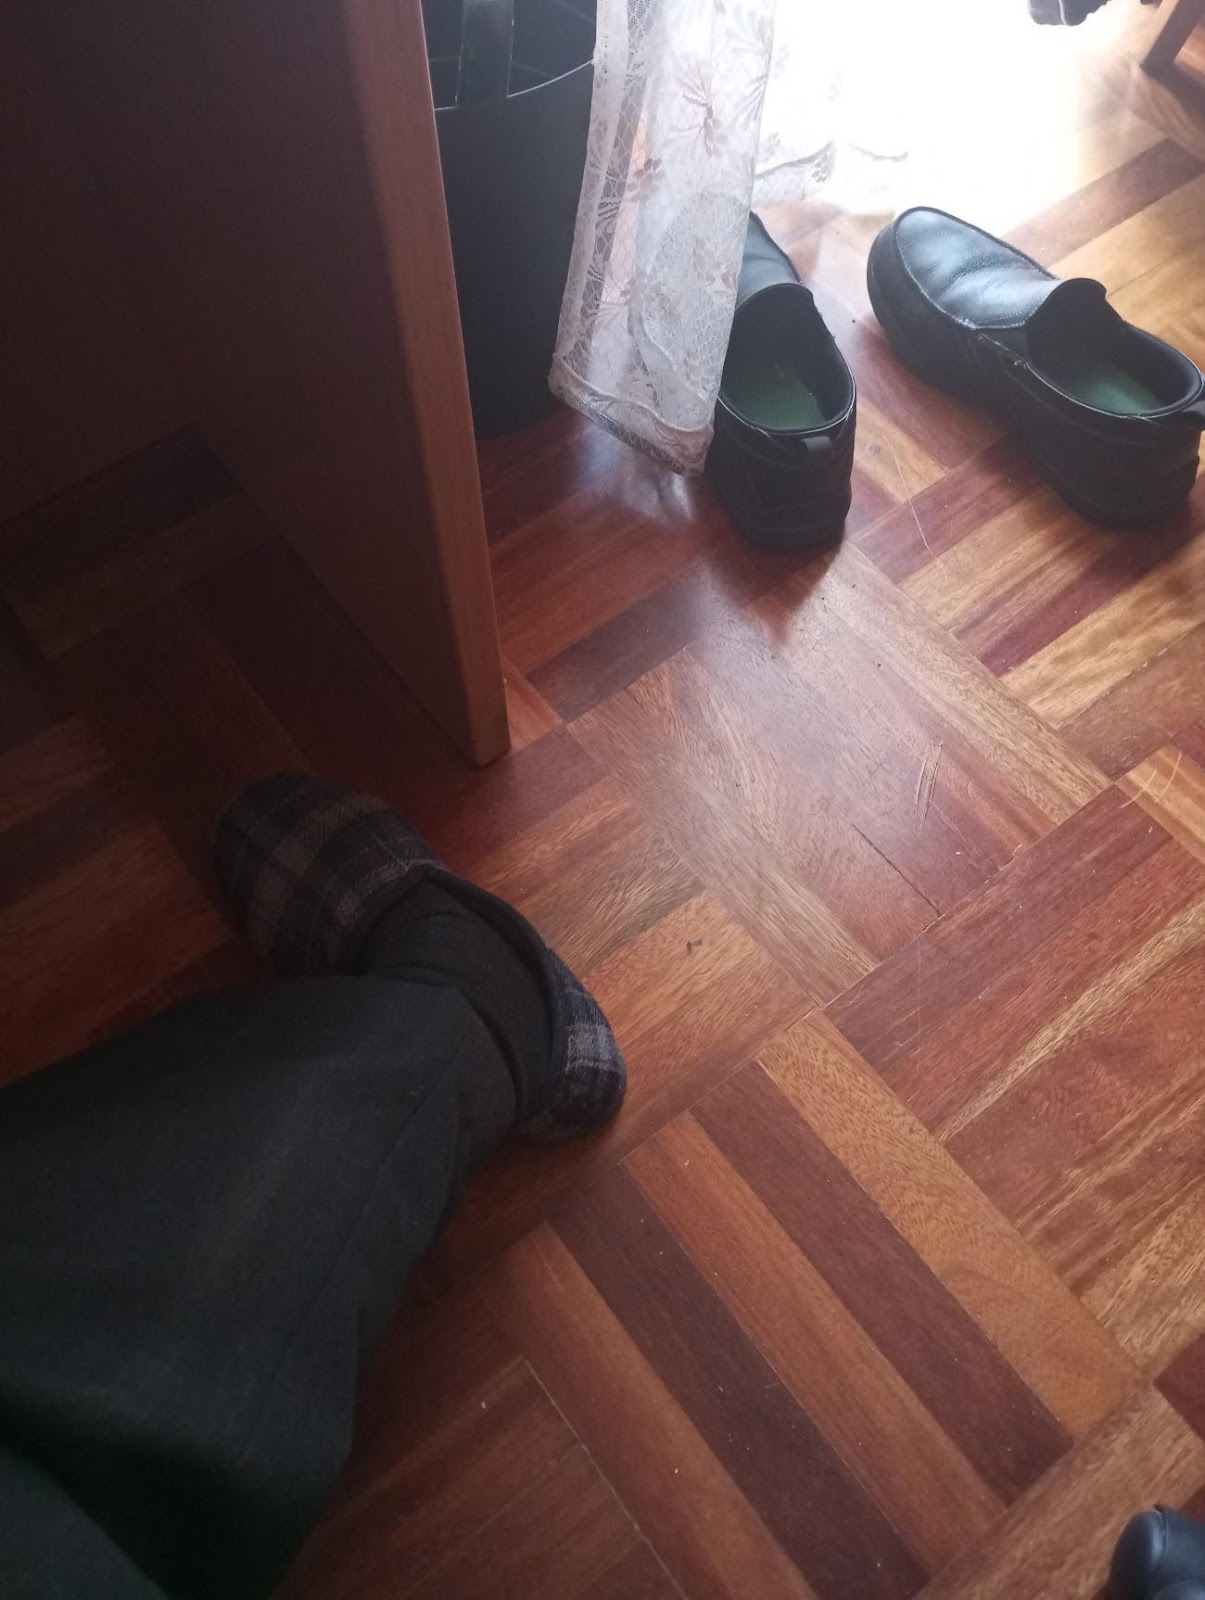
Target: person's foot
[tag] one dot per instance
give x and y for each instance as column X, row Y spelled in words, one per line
column 311, row 870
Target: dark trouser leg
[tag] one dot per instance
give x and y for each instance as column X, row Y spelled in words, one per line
column 50, row 1549
column 204, row 1226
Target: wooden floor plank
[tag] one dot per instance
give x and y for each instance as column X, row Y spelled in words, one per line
column 767, row 1445
column 1041, row 1328
column 1062, row 679
column 28, row 702
column 977, row 492
column 44, row 769
column 1132, row 719
column 1058, row 1539
column 1169, row 225
column 79, row 605
column 704, row 1529
column 552, row 1542
column 1002, row 1428
column 887, row 1016
column 637, row 1576
column 1170, row 786
column 140, row 495
column 835, row 1371
column 953, row 687
column 592, row 876
column 401, row 1528
column 608, row 554
column 529, row 714
column 650, row 630
column 887, row 862
column 130, row 897
column 1105, row 204
column 728, row 805
column 1152, row 1297
column 1183, row 1383
column 171, row 706
column 1012, row 587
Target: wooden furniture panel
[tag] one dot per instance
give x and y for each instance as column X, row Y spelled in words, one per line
column 82, row 378
column 275, row 171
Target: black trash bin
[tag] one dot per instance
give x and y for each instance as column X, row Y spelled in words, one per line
column 512, row 178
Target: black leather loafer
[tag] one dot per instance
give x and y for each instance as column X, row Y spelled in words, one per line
column 1159, row 1550
column 784, row 422
column 1113, row 415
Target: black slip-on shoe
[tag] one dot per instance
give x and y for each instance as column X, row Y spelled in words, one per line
column 1157, row 1551
column 309, row 870
column 1112, row 414
column 784, row 423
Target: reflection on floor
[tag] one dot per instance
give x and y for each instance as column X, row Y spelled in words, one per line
column 889, row 867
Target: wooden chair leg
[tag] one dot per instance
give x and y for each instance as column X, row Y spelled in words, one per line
column 1173, row 34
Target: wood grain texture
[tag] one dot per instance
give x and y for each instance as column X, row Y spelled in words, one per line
column 1183, row 1383
column 887, row 863
column 1150, row 1296
column 766, row 1443
column 1027, row 1311
column 637, row 1576
column 1059, row 1538
column 559, row 1538
column 504, row 1438
column 43, row 770
column 1170, row 786
column 836, row 1372
column 936, row 1346
column 592, row 876
column 707, row 1534
column 145, row 911
column 73, row 608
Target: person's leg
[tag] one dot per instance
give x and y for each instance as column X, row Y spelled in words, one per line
column 432, row 938
column 51, row 1549
column 204, row 1226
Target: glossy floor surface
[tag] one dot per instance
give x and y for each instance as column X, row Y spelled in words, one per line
column 889, row 867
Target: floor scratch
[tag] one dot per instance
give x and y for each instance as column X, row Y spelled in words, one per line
column 925, row 781
column 1172, row 778
column 908, row 497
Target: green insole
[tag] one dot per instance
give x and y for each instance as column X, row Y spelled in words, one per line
column 1099, row 382
column 769, row 390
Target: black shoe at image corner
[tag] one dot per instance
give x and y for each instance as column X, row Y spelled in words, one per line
column 784, row 423
column 1159, row 1556
column 1112, row 415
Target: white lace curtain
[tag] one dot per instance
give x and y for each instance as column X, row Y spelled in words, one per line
column 701, row 108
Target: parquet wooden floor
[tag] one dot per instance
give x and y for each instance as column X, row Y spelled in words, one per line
column 888, row 865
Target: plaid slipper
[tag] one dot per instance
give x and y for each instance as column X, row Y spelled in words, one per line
column 310, row 869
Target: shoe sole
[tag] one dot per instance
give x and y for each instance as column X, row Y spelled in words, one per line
column 821, row 535
column 909, row 353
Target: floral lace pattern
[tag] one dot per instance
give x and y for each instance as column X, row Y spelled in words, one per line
column 701, row 107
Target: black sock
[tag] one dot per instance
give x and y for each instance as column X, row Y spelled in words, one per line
column 431, row 936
